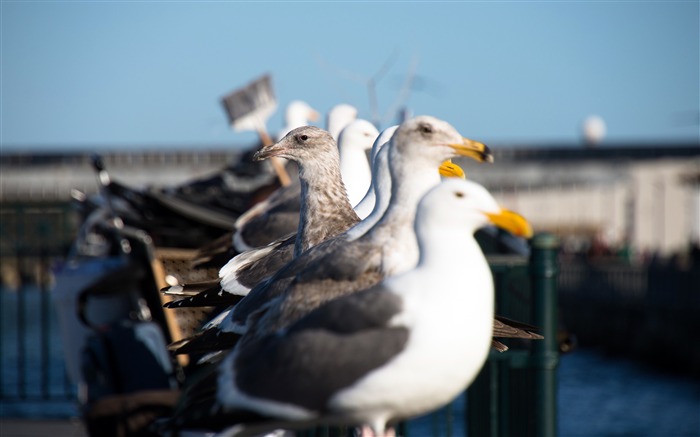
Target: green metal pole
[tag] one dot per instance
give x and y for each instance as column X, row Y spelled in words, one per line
column 543, row 273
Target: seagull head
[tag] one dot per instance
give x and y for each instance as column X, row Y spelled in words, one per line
column 300, row 113
column 432, row 138
column 339, row 117
column 303, row 144
column 456, row 203
column 359, row 134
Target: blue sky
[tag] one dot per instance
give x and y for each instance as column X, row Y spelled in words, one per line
column 84, row 75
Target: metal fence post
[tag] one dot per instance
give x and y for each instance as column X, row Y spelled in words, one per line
column 543, row 273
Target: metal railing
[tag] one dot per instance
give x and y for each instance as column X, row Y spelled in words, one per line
column 515, row 393
column 32, row 373
column 32, row 367
column 649, row 312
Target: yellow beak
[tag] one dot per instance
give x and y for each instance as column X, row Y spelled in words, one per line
column 449, row 169
column 473, row 149
column 511, row 222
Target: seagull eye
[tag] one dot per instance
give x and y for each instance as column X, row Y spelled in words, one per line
column 426, row 129
column 304, row 137
column 459, row 194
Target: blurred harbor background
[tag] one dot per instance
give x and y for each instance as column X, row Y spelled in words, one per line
column 629, row 292
column 592, row 110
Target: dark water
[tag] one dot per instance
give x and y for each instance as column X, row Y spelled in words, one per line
column 602, row 396
column 27, row 343
column 598, row 395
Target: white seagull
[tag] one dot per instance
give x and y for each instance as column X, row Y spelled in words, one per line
column 358, row 258
column 297, row 114
column 338, row 117
column 402, row 348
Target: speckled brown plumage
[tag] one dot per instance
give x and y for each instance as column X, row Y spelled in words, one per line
column 325, row 210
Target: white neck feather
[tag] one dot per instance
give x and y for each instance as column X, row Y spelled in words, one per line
column 355, row 171
column 375, row 202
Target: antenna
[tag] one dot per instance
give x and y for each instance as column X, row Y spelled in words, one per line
column 372, row 81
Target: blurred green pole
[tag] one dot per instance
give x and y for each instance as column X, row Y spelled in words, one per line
column 543, row 274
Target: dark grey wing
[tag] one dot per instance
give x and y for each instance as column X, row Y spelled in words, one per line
column 368, row 309
column 191, row 289
column 215, row 253
column 507, row 328
column 255, row 272
column 197, row 407
column 345, row 263
column 287, row 198
column 212, row 296
column 257, row 298
column 275, row 285
column 340, row 273
column 269, row 227
column 206, row 341
column 280, row 218
column 327, row 351
column 497, row 345
column 210, row 292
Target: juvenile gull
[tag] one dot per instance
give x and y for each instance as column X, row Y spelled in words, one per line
column 249, row 268
column 325, row 210
column 245, row 270
column 278, row 216
column 399, row 349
